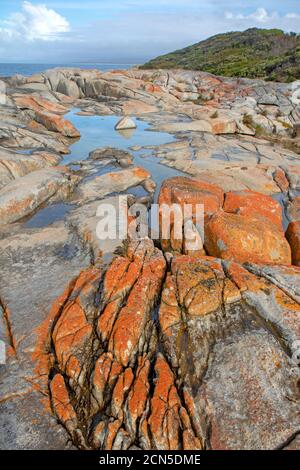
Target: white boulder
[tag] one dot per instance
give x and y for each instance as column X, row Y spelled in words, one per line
column 125, row 123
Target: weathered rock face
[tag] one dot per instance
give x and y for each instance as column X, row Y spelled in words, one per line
column 105, row 350
column 181, row 190
column 22, row 196
column 254, row 205
column 214, row 126
column 244, row 239
column 137, row 107
column 118, row 181
column 35, row 268
column 185, row 191
column 57, row 124
column 123, row 382
column 169, row 422
column 14, row 165
column 48, row 114
column 224, row 357
column 69, row 88
column 293, row 209
column 110, row 154
column 73, row 330
column 245, row 226
column 84, row 221
column 293, row 236
column 38, row 104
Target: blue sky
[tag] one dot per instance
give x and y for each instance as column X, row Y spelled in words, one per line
column 128, row 31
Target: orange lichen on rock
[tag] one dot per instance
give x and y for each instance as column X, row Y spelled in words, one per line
column 73, row 330
column 56, row 123
column 118, row 282
column 168, row 419
column 181, row 190
column 293, row 236
column 105, row 375
column 281, row 180
column 138, row 395
column 191, row 195
column 199, row 287
column 254, row 205
column 37, row 103
column 41, row 355
column 61, row 402
column 119, row 393
column 129, row 328
column 169, row 312
column 244, row 239
column 48, row 114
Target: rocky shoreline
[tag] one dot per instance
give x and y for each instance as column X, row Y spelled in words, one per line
column 154, row 347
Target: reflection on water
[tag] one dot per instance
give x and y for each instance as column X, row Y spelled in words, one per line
column 126, row 133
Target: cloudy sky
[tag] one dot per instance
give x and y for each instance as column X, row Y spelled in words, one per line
column 127, row 31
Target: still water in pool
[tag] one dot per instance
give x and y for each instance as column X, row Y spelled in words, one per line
column 99, row 131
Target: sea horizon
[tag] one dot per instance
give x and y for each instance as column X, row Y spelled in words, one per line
column 8, row 69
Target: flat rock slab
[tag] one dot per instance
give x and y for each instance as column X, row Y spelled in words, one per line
column 21, row 197
column 202, row 125
column 14, row 165
column 56, row 123
column 137, row 107
column 115, row 182
column 84, row 221
column 37, row 103
column 27, row 426
column 111, row 154
column 246, row 390
column 238, row 178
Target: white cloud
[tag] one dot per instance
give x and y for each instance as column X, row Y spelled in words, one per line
column 292, row 16
column 260, row 16
column 34, row 22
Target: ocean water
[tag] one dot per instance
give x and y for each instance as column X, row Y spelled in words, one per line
column 7, row 70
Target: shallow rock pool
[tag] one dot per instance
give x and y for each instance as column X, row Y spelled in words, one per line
column 99, row 131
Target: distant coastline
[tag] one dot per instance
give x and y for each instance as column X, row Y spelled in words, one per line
column 9, row 69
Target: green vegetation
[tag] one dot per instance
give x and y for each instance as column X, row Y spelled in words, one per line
column 270, row 54
column 248, row 121
column 215, row 115
column 257, row 128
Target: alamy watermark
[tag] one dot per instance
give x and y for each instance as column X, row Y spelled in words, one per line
column 168, row 222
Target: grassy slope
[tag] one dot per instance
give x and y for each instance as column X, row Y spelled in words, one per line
column 269, row 54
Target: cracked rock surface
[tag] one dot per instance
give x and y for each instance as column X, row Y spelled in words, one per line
column 196, row 355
